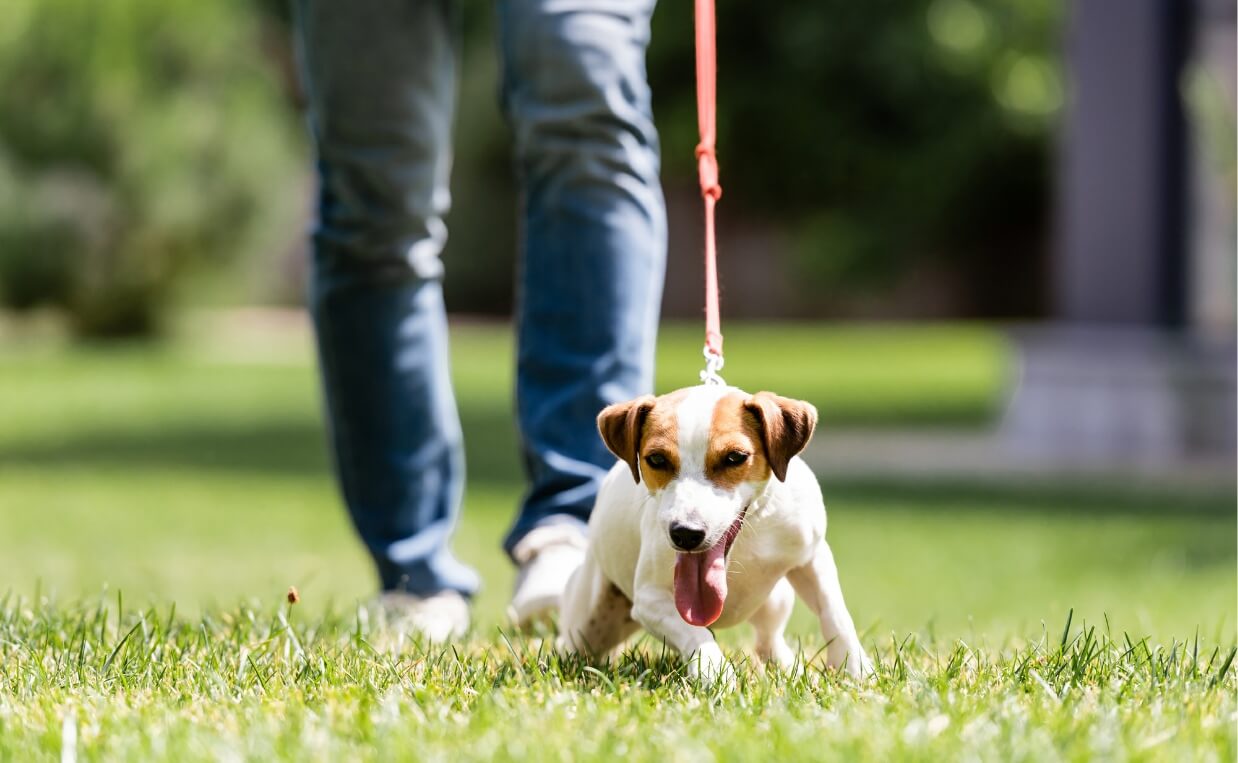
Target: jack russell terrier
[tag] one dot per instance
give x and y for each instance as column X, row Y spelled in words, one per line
column 710, row 518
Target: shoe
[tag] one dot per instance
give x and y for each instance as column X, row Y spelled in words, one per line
column 547, row 557
column 438, row 617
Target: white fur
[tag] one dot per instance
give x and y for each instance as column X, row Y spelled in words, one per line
column 781, row 547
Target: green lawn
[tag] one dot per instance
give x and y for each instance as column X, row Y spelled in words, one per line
column 194, row 475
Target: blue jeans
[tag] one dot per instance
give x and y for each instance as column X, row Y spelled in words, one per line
column 380, row 79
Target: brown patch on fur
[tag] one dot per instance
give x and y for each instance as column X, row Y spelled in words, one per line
column 734, row 428
column 640, row 427
column 621, row 425
column 661, row 435
column 610, row 623
column 785, row 427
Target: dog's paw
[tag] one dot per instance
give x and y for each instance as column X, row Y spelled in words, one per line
column 859, row 666
column 779, row 655
column 709, row 666
column 867, row 669
column 850, row 659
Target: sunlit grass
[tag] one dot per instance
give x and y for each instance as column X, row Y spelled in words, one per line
column 157, row 501
column 267, row 684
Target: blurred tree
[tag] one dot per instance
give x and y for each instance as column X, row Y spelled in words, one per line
column 882, row 135
column 885, row 139
column 144, row 139
column 137, row 138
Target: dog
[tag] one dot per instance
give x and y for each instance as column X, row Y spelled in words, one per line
column 708, row 519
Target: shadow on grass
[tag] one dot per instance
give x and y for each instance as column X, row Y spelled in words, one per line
column 1041, row 496
column 272, row 447
column 296, row 446
column 287, row 446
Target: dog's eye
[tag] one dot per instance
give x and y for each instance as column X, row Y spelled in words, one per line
column 735, row 458
column 656, row 461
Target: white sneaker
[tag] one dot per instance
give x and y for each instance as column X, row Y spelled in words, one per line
column 438, row 617
column 547, row 557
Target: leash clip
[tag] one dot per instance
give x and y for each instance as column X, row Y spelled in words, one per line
column 713, row 364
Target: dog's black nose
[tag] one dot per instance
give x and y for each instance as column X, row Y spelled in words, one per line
column 686, row 537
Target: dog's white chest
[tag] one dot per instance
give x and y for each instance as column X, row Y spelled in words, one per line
column 763, row 554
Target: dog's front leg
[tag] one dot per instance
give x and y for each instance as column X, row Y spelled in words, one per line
column 817, row 584
column 654, row 608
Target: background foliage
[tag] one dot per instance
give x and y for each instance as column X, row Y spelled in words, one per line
column 884, row 141
column 887, row 137
column 137, row 139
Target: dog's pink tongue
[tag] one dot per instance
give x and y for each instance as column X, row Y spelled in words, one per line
column 700, row 585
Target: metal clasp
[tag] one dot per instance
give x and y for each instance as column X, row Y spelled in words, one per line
column 713, row 364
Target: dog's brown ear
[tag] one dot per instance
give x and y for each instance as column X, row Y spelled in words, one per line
column 621, row 424
column 786, row 427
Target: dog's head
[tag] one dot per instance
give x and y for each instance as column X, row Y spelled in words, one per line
column 705, row 453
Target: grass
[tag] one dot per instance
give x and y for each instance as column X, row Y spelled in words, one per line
column 266, row 685
column 192, row 477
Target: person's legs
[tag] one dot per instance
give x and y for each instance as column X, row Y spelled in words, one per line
column 593, row 237
column 379, row 75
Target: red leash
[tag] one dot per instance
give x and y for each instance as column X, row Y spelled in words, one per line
column 707, row 166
